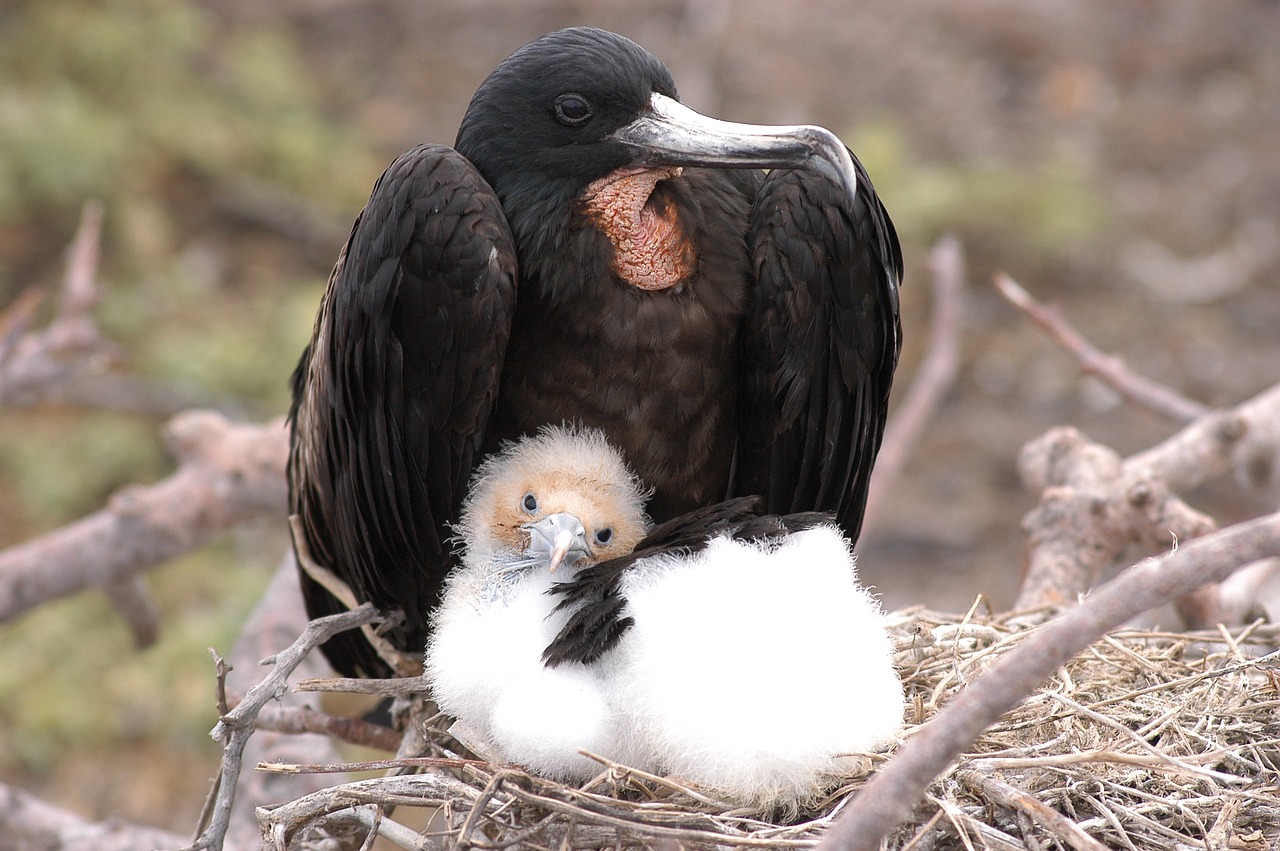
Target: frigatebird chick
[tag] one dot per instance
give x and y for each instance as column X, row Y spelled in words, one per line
column 538, row 509
column 758, row 669
column 732, row 650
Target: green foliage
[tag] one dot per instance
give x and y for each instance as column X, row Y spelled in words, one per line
column 245, row 348
column 71, row 677
column 109, row 99
column 1049, row 208
column 65, row 467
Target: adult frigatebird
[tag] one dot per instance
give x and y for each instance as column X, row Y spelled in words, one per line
column 593, row 251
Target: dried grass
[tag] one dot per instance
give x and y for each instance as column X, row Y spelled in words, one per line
column 1148, row 740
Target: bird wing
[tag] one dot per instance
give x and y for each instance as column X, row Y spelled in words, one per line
column 594, row 596
column 820, row 344
column 392, row 396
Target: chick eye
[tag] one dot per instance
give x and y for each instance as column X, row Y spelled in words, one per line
column 529, row 503
column 604, row 536
column 573, row 110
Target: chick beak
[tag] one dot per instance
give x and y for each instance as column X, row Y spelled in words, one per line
column 560, row 537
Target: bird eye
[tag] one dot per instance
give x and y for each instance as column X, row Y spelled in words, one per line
column 529, row 503
column 573, row 110
column 604, row 536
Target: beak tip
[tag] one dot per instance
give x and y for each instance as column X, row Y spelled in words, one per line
column 564, row 540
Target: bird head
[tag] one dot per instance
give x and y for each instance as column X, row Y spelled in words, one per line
column 564, row 496
column 577, row 106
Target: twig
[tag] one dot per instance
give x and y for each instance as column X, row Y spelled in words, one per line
column 227, row 474
column 1110, row 369
column 887, row 798
column 304, row 719
column 935, row 376
column 281, row 822
column 371, row 765
column 235, row 728
column 405, row 664
column 277, row 620
column 1047, row 817
column 390, row 687
column 393, row 831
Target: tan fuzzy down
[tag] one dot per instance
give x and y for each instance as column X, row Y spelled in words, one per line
column 568, row 469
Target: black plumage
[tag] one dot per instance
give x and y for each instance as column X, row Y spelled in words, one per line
column 590, row 251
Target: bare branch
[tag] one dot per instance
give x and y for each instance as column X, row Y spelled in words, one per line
column 1093, row 505
column 935, row 376
column 277, row 621
column 227, row 473
column 303, row 719
column 235, row 728
column 374, row 765
column 889, row 796
column 281, row 822
column 66, row 362
column 72, row 344
column 1047, row 817
column 1109, row 368
column 16, row 321
column 1215, row 444
column 1231, row 602
column 390, row 687
column 131, row 599
column 28, row 822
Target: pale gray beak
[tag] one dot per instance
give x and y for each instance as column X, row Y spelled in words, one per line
column 559, row 537
column 672, row 134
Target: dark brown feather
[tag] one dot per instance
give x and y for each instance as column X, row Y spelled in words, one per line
column 393, row 394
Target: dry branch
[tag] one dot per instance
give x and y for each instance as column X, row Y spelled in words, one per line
column 227, row 474
column 1053, row 821
column 888, row 798
column 1094, row 505
column 276, row 622
column 26, row 822
column 67, row 361
column 236, row 727
column 304, row 719
column 935, row 376
column 34, row 362
column 1109, row 368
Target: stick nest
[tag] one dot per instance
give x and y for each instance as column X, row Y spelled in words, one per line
column 1147, row 740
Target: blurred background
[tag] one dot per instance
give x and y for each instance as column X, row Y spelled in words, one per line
column 1120, row 159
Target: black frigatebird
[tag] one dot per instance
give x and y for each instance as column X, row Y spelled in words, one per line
column 590, row 251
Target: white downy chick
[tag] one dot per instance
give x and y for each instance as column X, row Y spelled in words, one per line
column 758, row 670
column 536, row 511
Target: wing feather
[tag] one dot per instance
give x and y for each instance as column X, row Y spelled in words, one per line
column 820, row 344
column 393, row 395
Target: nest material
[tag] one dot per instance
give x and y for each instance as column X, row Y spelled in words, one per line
column 1147, row 740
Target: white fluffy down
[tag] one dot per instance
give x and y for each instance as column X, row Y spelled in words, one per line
column 750, row 672
column 485, row 665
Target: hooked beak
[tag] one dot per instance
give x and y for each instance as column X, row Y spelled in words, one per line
column 672, row 134
column 560, row 537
